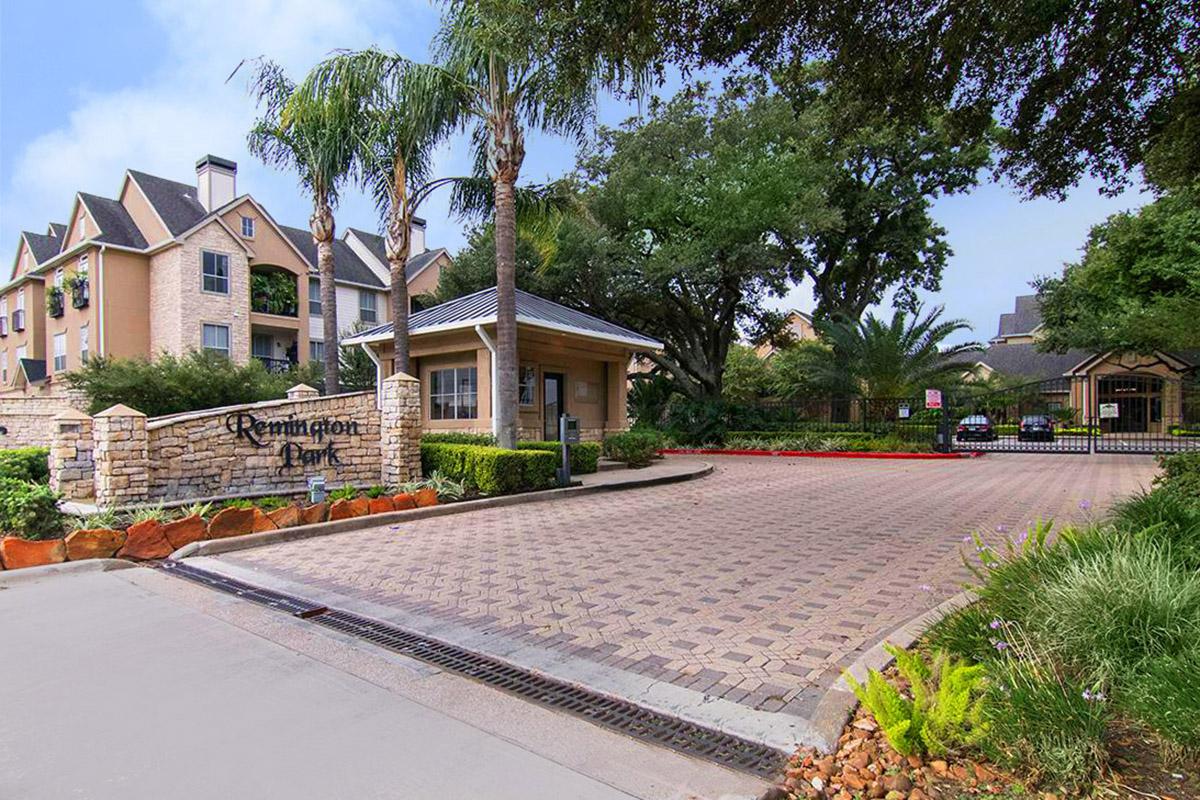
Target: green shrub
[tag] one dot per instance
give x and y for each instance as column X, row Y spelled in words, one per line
column 1165, row 694
column 240, row 502
column 195, row 510
column 30, row 464
column 1180, row 473
column 483, row 439
column 376, row 491
column 346, row 492
column 1039, row 720
column 964, row 631
column 147, row 513
column 585, row 456
column 491, row 470
column 29, row 510
column 1165, row 516
column 636, row 447
column 945, row 709
column 272, row 503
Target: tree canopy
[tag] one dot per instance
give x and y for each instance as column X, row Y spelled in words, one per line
column 1137, row 287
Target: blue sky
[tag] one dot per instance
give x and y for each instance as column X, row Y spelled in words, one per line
column 88, row 89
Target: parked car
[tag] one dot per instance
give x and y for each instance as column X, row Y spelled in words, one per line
column 977, row 427
column 1035, row 428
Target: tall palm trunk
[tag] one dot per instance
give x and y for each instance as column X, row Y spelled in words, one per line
column 322, row 227
column 399, row 234
column 508, row 151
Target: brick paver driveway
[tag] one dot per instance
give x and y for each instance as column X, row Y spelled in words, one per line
column 758, row 583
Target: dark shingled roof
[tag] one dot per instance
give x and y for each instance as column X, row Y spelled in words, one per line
column 1024, row 360
column 1025, row 319
column 34, row 369
column 42, row 246
column 58, row 230
column 347, row 266
column 177, row 203
column 376, row 244
column 480, row 307
column 116, row 226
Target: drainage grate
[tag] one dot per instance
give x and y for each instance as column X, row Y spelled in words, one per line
column 619, row 715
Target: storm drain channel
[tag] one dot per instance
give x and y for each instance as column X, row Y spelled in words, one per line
column 618, row 715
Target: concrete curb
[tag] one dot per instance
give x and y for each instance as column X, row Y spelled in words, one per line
column 15, row 577
column 210, row 547
column 839, row 701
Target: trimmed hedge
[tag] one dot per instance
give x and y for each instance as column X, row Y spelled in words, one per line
column 30, row 464
column 482, row 439
column 491, row 470
column 636, row 448
column 29, row 510
column 585, row 456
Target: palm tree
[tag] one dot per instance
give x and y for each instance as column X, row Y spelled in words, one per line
column 896, row 358
column 312, row 136
column 508, row 79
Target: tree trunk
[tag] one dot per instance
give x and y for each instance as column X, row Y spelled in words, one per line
column 507, row 152
column 321, row 224
column 397, row 243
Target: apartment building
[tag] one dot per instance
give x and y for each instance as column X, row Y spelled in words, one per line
column 169, row 267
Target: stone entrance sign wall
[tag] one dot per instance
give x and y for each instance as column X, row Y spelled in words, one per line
column 272, row 447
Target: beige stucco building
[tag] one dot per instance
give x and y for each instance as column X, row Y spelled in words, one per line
column 570, row 362
column 169, row 267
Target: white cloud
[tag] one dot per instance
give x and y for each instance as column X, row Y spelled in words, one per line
column 184, row 107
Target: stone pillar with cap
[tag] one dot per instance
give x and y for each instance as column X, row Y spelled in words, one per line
column 121, row 457
column 72, row 469
column 302, row 391
column 400, row 429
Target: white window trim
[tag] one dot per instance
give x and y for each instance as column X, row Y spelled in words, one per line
column 60, row 275
column 374, row 307
column 314, row 282
column 455, row 394
column 84, row 343
column 60, row 338
column 250, row 220
column 228, row 273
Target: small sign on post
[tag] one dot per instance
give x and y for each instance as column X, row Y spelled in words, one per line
column 933, row 398
column 1109, row 411
column 568, row 434
column 904, row 411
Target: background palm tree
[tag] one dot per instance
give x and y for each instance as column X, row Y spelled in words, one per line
column 499, row 53
column 312, row 136
column 895, row 358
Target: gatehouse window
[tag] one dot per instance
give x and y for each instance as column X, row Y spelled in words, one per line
column 454, row 393
column 527, row 386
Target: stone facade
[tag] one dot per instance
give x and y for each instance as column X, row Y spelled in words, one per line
column 28, row 420
column 400, row 429
column 121, row 457
column 265, row 448
column 72, row 468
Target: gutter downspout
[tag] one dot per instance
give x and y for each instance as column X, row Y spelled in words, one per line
column 378, row 373
column 100, row 301
column 491, row 346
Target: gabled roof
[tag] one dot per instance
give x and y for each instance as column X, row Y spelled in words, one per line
column 480, row 309
column 58, row 230
column 34, row 369
column 1026, row 361
column 116, row 226
column 42, row 246
column 1025, row 320
column 378, row 247
column 176, row 203
column 347, row 266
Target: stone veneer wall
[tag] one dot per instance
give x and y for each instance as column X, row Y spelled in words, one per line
column 72, row 467
column 196, row 455
column 400, row 421
column 29, row 419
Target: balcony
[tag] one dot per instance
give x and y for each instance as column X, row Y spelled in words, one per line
column 273, row 291
column 81, row 293
column 54, row 302
column 19, row 319
column 276, row 365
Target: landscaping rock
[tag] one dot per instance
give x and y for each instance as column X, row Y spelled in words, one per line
column 93, row 543
column 404, row 501
column 262, row 522
column 16, row 553
column 426, row 497
column 231, row 522
column 185, row 531
column 380, row 505
column 345, row 509
column 314, row 514
column 145, row 541
column 285, row 517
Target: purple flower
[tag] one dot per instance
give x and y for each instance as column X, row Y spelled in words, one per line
column 1094, row 697
column 1085, row 505
column 1000, row 645
column 1022, row 536
column 1002, row 528
column 968, row 539
column 996, row 624
column 925, row 587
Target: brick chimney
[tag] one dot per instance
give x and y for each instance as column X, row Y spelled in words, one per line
column 216, row 181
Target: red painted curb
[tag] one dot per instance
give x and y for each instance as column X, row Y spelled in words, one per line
column 817, row 454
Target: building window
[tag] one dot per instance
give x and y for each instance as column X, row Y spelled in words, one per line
column 83, row 344
column 314, row 297
column 83, row 264
column 316, row 351
column 215, row 338
column 4, row 367
column 216, row 272
column 60, row 352
column 366, row 305
column 20, row 299
column 527, row 385
column 248, row 227
column 59, row 277
column 453, row 393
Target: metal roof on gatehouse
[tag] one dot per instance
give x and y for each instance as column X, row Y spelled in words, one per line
column 480, row 309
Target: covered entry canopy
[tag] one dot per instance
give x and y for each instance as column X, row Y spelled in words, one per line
column 570, row 362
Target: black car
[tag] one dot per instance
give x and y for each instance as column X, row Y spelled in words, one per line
column 1035, row 428
column 977, row 427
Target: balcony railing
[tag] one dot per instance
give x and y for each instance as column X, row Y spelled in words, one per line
column 81, row 293
column 276, row 365
column 267, row 305
column 54, row 302
column 19, row 320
